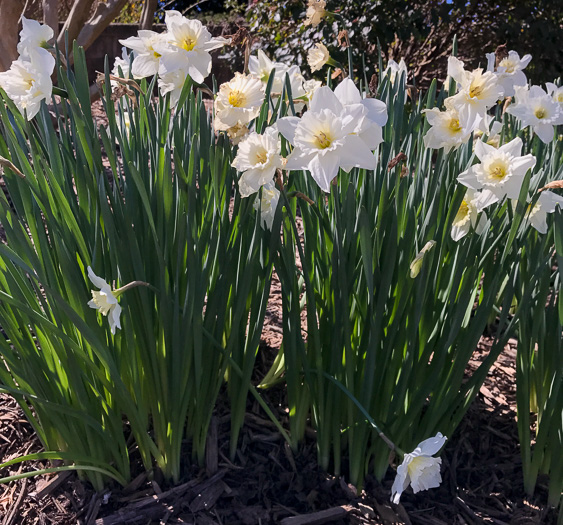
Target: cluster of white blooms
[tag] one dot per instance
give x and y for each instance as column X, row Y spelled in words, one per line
column 181, row 51
column 28, row 81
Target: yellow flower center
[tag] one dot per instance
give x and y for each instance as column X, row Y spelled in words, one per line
column 498, row 170
column 188, row 43
column 262, row 156
column 560, row 97
column 322, row 140
column 475, row 91
column 540, row 113
column 462, row 213
column 455, row 125
column 508, row 65
column 237, row 99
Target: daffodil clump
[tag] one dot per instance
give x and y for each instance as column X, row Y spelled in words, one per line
column 398, row 223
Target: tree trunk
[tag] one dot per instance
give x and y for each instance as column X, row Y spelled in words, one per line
column 51, row 15
column 74, row 23
column 147, row 16
column 104, row 15
column 10, row 12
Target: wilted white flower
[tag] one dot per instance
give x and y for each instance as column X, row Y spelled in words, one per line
column 268, row 204
column 535, row 108
column 315, row 12
column 28, row 81
column 419, row 468
column 501, row 171
column 147, row 59
column 394, row 70
column 32, row 36
column 239, row 100
column 450, row 128
column 186, row 47
column 477, row 89
column 105, row 301
column 317, row 56
column 325, row 138
column 172, row 82
column 509, row 71
column 373, row 111
column 537, row 213
column 258, row 158
column 555, row 92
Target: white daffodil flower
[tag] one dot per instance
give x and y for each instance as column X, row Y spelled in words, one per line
column 509, row 71
column 369, row 128
column 535, row 108
column 268, row 204
column 326, row 138
column 123, row 62
column 310, row 86
column 469, row 213
column 555, row 92
column 490, row 127
column 450, row 128
column 501, row 171
column 32, row 36
column 318, row 56
column 261, row 67
column 536, row 214
column 28, row 81
column 258, row 158
column 394, row 71
column 147, row 59
column 419, row 468
column 239, row 101
column 173, row 83
column 477, row 89
column 186, row 47
column 105, row 301
column 315, row 12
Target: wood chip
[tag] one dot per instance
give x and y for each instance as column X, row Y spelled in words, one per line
column 317, row 518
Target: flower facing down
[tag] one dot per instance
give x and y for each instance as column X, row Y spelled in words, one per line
column 419, row 468
column 315, row 12
column 28, row 81
column 268, row 204
column 537, row 213
column 535, row 108
column 317, row 56
column 105, row 301
column 258, row 158
column 238, row 101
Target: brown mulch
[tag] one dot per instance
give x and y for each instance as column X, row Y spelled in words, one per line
column 269, row 484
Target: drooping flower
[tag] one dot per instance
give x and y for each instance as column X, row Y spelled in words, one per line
column 258, row 158
column 537, row 213
column 477, row 89
column 187, row 47
column 268, row 204
column 28, row 81
column 450, row 128
column 147, row 59
column 419, row 468
column 326, row 138
column 501, row 171
column 317, row 56
column 105, row 301
column 509, row 71
column 535, row 108
column 239, row 100
column 469, row 213
column 172, row 82
column 315, row 12
column 32, row 36
column 394, row 71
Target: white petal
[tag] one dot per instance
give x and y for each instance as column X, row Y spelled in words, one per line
column 324, row 98
column 323, row 169
column 347, row 92
column 287, row 127
column 432, row 445
column 96, row 281
column 544, row 132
